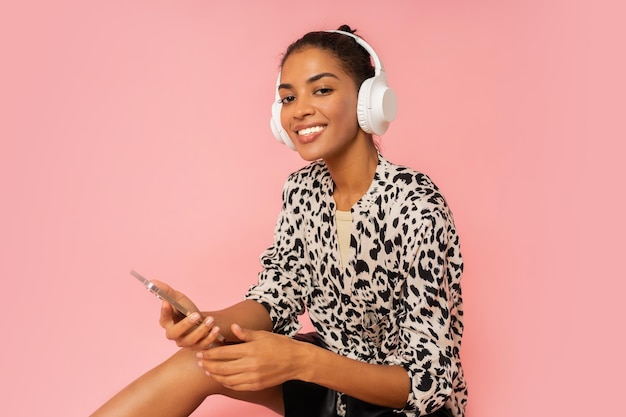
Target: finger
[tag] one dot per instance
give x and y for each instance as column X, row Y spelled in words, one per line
column 239, row 381
column 245, row 335
column 225, row 353
column 167, row 291
column 208, row 336
column 199, row 335
column 205, row 335
column 221, row 368
column 236, row 372
column 163, row 286
column 166, row 318
column 238, row 332
column 181, row 330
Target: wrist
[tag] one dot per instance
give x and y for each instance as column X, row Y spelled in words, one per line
column 306, row 354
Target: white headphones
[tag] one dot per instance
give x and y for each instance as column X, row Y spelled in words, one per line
column 377, row 104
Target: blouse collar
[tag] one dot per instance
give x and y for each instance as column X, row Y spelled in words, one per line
column 362, row 206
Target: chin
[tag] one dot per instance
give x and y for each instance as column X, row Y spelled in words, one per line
column 309, row 156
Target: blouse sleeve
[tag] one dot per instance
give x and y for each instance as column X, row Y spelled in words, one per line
column 430, row 310
column 283, row 282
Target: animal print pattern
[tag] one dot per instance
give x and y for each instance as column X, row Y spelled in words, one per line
column 397, row 302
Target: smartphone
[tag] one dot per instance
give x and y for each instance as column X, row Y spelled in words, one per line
column 161, row 294
column 154, row 289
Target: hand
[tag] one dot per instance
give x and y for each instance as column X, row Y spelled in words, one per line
column 192, row 331
column 263, row 360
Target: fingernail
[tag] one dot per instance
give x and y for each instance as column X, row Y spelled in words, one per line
column 215, row 330
column 209, row 321
column 194, row 317
column 199, row 355
column 200, row 364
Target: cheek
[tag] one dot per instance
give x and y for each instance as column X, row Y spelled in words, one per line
column 343, row 111
column 346, row 114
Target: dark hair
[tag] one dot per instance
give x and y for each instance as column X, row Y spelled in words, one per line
column 354, row 59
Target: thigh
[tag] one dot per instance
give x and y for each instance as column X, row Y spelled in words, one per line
column 358, row 408
column 175, row 388
column 304, row 399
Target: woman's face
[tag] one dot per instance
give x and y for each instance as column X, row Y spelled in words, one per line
column 319, row 101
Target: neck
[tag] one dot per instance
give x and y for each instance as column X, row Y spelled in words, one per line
column 353, row 173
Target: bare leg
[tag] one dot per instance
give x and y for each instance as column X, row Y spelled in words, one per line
column 176, row 388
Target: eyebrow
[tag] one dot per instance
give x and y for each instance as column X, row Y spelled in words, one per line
column 311, row 80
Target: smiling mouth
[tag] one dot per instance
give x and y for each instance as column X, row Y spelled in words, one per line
column 310, row 130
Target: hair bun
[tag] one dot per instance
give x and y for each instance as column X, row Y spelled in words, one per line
column 346, row 28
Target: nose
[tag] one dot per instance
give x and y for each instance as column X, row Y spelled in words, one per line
column 303, row 107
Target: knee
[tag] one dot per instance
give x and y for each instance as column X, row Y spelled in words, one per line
column 182, row 368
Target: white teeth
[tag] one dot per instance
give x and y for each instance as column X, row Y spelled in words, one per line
column 310, row 130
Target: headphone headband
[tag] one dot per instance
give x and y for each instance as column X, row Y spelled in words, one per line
column 378, row 66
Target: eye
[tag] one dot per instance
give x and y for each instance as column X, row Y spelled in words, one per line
column 286, row 100
column 323, row 91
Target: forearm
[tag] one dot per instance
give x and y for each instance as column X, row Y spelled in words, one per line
column 248, row 314
column 384, row 385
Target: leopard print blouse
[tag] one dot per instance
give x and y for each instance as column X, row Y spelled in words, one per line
column 397, row 302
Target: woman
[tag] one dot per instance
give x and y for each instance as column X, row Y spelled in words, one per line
column 369, row 248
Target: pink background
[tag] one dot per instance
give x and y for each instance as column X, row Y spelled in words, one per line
column 134, row 135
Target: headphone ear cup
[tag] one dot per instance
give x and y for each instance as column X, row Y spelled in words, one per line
column 377, row 105
column 362, row 107
column 275, row 121
column 277, row 127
